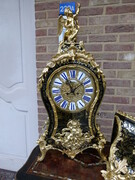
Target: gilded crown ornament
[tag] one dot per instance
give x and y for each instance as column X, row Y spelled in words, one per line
column 72, row 87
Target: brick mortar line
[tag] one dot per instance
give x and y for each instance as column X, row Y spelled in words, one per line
column 42, row 62
column 117, row 38
column 97, row 43
column 104, row 9
column 38, row 2
column 92, row 34
column 41, row 106
column 132, row 83
column 92, row 25
column 112, row 5
column 38, row 37
column 134, row 47
column 40, row 69
column 90, row 6
column 100, row 111
column 45, row 1
column 113, row 95
column 123, row 51
column 103, row 29
column 103, row 4
column 125, row 70
column 108, row 127
column 88, row 17
column 44, row 53
column 118, row 51
column 47, row 37
column 102, row 43
column 84, row 16
column 130, row 102
column 43, row 113
column 119, row 79
column 45, row 28
column 119, row 22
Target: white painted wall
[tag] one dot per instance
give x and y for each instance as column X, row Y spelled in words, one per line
column 18, row 94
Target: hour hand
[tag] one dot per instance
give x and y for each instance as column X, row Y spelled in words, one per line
column 68, row 82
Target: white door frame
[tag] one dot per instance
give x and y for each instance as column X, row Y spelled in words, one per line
column 19, row 122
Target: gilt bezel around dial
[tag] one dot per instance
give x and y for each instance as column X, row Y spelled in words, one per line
column 72, row 87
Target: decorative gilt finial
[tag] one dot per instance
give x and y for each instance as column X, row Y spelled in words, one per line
column 71, row 25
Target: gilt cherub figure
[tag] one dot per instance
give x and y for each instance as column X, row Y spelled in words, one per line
column 71, row 25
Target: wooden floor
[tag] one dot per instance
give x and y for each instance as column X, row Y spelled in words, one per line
column 7, row 175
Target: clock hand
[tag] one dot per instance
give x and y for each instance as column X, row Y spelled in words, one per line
column 71, row 88
column 77, row 87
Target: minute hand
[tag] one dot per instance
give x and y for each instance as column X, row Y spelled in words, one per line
column 77, row 87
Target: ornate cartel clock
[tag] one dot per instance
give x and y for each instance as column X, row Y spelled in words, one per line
column 72, row 87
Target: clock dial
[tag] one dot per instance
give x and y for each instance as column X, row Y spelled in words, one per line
column 72, row 89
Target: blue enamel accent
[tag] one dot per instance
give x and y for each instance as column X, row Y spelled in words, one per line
column 58, row 98
column 72, row 73
column 64, row 75
column 57, row 82
column 87, row 82
column 64, row 104
column 80, row 76
column 89, row 90
column 72, row 106
column 81, row 104
column 56, row 91
column 86, row 98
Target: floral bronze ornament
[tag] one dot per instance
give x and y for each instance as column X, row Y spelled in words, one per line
column 72, row 87
column 121, row 161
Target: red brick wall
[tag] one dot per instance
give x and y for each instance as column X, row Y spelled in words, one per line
column 107, row 28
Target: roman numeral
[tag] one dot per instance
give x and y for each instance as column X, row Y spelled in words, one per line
column 64, row 104
column 80, row 104
column 55, row 90
column 89, row 90
column 87, row 81
column 72, row 106
column 64, row 76
column 58, row 98
column 72, row 73
column 81, row 75
column 86, row 98
column 57, row 82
